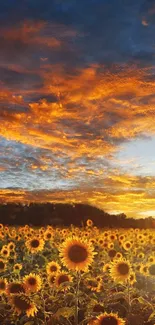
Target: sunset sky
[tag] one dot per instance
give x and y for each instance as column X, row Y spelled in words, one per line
column 77, row 103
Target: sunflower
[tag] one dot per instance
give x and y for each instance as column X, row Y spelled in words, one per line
column 121, row 238
column 106, row 267
column 92, row 241
column 86, row 234
column 120, row 270
column 52, row 267
column 11, row 246
column 141, row 255
column 101, row 241
column 5, row 252
column 138, row 267
column 127, row 245
column 23, row 304
column 151, row 259
column 18, row 237
column 105, row 245
column 153, row 241
column 2, row 235
column 15, row 287
column 132, row 278
column 32, row 282
column 109, row 319
column 42, row 230
column 2, row 265
column 12, row 234
column 35, row 244
column 140, row 236
column 50, row 228
column 112, row 237
column 99, row 278
column 64, row 232
column 62, row 278
column 92, row 284
column 119, row 255
column 51, row 279
column 101, row 256
column 144, row 269
column 48, row 235
column 89, row 223
column 111, row 245
column 17, row 267
column 3, row 284
column 76, row 254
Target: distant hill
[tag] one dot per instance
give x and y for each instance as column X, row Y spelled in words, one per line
column 66, row 214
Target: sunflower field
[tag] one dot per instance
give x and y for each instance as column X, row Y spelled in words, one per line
column 88, row 276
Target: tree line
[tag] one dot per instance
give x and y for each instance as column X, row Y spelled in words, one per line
column 41, row 214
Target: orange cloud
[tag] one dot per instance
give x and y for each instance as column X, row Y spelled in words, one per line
column 88, row 116
column 144, row 22
column 95, row 101
column 28, row 32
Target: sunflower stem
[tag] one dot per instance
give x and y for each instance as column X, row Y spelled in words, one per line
column 129, row 299
column 77, row 298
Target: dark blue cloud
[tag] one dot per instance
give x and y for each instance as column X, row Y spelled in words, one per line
column 107, row 31
column 14, row 79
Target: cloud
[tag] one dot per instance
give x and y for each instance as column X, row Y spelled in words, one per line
column 76, row 84
column 133, row 200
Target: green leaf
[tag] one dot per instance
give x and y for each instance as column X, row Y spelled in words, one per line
column 152, row 316
column 29, row 323
column 118, row 295
column 66, row 312
column 142, row 300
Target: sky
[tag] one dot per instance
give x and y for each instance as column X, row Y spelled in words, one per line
column 77, row 103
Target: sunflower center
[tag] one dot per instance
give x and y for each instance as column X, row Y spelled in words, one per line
column 98, row 308
column 51, row 279
column 32, row 281
column 77, row 254
column 63, row 278
column 152, row 269
column 109, row 320
column 123, row 268
column 16, row 288
column 5, row 252
column 2, row 285
column 35, row 243
column 53, row 268
column 112, row 253
column 93, row 283
column 20, row 303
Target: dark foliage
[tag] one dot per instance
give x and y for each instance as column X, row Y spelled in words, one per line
column 65, row 214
